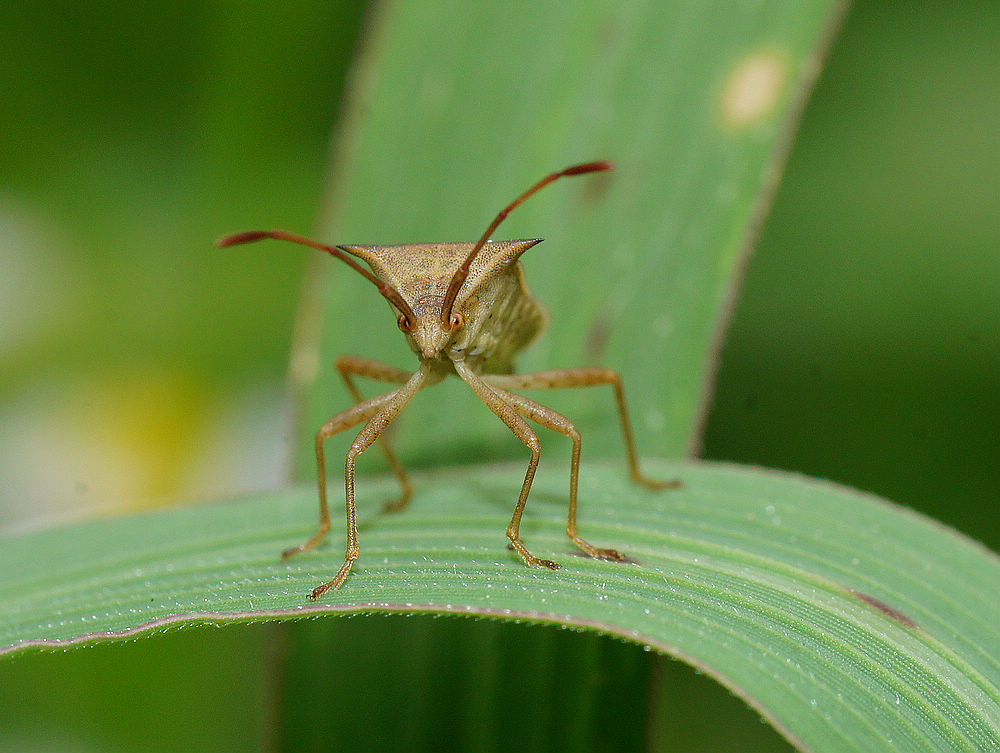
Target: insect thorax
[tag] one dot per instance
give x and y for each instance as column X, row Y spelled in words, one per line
column 500, row 315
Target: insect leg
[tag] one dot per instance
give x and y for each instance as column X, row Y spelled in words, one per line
column 586, row 377
column 507, row 413
column 550, row 419
column 342, row 421
column 349, row 366
column 386, row 408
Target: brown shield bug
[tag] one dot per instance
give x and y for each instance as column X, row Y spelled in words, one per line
column 465, row 310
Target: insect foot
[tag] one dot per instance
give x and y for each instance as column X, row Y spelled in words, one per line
column 342, row 574
column 530, row 559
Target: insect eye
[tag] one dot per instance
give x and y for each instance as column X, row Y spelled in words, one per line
column 404, row 323
column 457, row 321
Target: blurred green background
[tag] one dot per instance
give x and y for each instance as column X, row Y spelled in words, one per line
column 140, row 365
column 866, row 344
column 133, row 356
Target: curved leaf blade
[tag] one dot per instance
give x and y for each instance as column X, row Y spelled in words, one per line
column 818, row 605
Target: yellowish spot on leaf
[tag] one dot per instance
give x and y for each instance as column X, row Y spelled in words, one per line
column 752, row 89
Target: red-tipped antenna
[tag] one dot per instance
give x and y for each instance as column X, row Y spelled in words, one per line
column 463, row 271
column 389, row 293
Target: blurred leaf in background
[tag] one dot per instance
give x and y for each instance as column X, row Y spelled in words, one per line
column 864, row 348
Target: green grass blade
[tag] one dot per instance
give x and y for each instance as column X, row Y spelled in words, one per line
column 848, row 622
column 456, row 111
